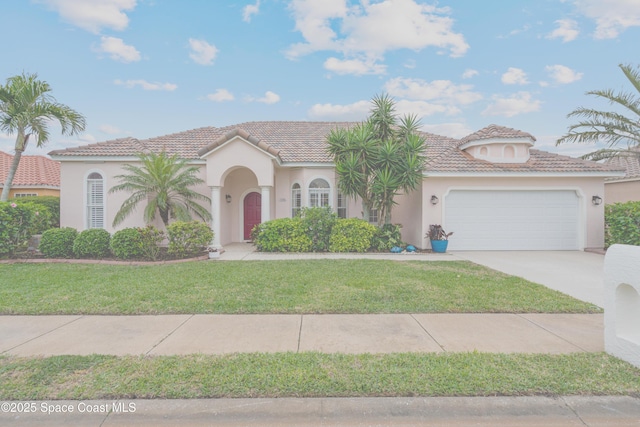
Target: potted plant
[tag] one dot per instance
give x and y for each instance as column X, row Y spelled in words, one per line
column 439, row 238
column 213, row 252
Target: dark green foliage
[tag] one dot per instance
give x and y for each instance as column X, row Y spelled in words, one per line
column 622, row 224
column 93, row 243
column 351, row 235
column 52, row 203
column 127, row 244
column 15, row 225
column 281, row 235
column 151, row 238
column 58, row 242
column 387, row 237
column 188, row 238
column 317, row 224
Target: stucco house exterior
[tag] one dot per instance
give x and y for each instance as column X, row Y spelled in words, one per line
column 626, row 188
column 491, row 188
column 36, row 176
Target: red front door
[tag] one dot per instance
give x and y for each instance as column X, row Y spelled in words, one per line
column 252, row 213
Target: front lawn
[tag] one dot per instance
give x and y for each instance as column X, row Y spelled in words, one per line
column 309, row 286
column 314, row 375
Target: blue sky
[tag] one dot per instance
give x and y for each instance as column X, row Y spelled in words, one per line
column 146, row 68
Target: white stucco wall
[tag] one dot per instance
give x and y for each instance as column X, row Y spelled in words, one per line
column 621, row 192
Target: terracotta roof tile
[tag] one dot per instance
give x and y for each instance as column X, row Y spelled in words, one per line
column 33, row 171
column 495, row 131
column 630, row 165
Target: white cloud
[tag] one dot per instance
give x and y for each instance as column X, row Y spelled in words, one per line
column 95, row 14
column 514, row 76
column 269, row 98
column 250, row 10
column 146, row 85
column 563, row 75
column 443, row 92
column 373, row 28
column 118, row 50
column 221, row 95
column 518, row 103
column 567, row 30
column 350, row 112
column 202, row 52
column 354, row 66
column 611, row 16
column 469, row 72
column 109, row 130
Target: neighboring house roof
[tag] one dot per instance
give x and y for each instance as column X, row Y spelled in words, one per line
column 33, row 171
column 630, row 165
column 302, row 142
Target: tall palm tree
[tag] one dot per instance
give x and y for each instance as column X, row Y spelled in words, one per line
column 611, row 127
column 378, row 159
column 26, row 107
column 163, row 181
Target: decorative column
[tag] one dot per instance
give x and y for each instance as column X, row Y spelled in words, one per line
column 266, row 204
column 215, row 216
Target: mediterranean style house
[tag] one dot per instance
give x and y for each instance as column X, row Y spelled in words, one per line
column 625, row 188
column 491, row 188
column 36, row 176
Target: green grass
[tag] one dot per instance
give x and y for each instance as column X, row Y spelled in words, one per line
column 314, row 375
column 309, row 286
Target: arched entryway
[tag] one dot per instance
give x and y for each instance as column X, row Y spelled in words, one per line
column 252, row 212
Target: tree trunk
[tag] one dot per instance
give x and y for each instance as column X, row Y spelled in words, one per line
column 21, row 145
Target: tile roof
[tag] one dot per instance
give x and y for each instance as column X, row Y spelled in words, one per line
column 630, row 164
column 33, row 171
column 294, row 142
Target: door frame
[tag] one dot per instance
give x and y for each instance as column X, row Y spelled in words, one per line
column 241, row 211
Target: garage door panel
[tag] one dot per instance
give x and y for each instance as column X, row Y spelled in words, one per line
column 512, row 220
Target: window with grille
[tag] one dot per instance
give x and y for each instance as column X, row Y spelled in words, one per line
column 319, row 193
column 373, row 216
column 342, row 206
column 95, row 201
column 296, row 200
column 25, row 195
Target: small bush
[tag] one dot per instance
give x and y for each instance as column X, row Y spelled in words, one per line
column 188, row 238
column 52, row 203
column 92, row 243
column 127, row 244
column 58, row 242
column 622, row 224
column 16, row 224
column 317, row 223
column 387, row 237
column 150, row 238
column 352, row 235
column 42, row 218
column 281, row 235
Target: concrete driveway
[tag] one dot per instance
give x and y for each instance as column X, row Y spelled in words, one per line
column 576, row 273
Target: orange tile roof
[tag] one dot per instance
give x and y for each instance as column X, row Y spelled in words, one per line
column 295, row 142
column 629, row 163
column 33, row 171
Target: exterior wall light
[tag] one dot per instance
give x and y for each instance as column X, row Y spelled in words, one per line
column 434, row 200
column 227, row 197
column 596, row 200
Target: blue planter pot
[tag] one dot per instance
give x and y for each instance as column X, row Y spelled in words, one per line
column 439, row 246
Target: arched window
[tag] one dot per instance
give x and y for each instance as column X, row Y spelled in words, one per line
column 319, row 193
column 95, row 200
column 484, row 151
column 296, row 199
column 509, row 152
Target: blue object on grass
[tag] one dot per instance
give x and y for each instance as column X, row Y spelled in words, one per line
column 410, row 248
column 396, row 249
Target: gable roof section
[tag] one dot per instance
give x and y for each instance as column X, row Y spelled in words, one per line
column 33, row 171
column 305, row 142
column 630, row 165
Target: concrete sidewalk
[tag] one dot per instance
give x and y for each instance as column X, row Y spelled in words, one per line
column 328, row 333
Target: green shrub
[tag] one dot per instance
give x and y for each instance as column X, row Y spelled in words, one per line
column 52, row 203
column 281, row 235
column 317, row 223
column 92, row 243
column 16, row 223
column 188, row 238
column 622, row 224
column 58, row 242
column 150, row 238
column 352, row 235
column 387, row 237
column 127, row 244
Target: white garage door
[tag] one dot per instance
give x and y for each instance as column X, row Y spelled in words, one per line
column 512, row 220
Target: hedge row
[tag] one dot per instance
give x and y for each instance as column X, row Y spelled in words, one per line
column 19, row 220
column 319, row 230
column 185, row 239
column 622, row 223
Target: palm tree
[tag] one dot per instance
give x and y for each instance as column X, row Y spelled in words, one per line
column 378, row 159
column 611, row 127
column 26, row 107
column 163, row 181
